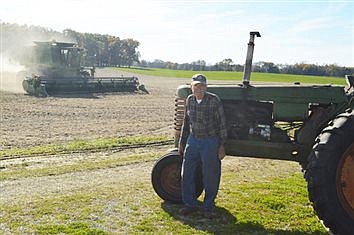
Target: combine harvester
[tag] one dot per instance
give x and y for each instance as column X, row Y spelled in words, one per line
column 55, row 68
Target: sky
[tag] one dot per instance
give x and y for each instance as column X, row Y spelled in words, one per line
column 303, row 31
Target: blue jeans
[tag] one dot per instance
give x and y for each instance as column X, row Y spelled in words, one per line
column 202, row 151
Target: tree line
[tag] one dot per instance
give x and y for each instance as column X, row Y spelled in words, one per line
column 107, row 50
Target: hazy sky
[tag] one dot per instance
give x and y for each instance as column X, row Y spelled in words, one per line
column 311, row 31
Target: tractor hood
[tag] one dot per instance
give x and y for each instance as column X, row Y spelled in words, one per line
column 325, row 94
column 290, row 102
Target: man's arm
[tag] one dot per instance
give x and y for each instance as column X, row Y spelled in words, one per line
column 184, row 130
column 221, row 123
column 221, row 152
column 222, row 129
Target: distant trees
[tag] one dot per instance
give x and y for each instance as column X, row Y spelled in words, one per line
column 312, row 69
column 225, row 65
column 265, row 67
column 106, row 50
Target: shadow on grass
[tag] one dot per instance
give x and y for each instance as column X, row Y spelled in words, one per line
column 224, row 222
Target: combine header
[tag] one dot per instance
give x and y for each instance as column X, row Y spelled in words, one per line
column 55, row 68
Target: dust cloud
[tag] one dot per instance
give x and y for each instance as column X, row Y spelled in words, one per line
column 11, row 75
column 14, row 44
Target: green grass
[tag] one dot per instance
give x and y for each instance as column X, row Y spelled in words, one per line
column 283, row 198
column 74, row 228
column 250, row 202
column 237, row 76
column 81, row 145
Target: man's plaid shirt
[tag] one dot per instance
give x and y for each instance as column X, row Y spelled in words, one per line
column 205, row 119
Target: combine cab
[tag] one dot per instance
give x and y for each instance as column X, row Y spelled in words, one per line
column 55, row 68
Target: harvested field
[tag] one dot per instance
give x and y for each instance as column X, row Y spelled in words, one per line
column 29, row 121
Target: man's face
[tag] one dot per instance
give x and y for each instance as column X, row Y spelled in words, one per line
column 198, row 89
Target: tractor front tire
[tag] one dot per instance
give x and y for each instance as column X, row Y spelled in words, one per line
column 166, row 178
column 330, row 174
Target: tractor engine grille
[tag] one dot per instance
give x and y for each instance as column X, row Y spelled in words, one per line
column 245, row 120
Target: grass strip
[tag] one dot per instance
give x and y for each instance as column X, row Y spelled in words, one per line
column 237, row 76
column 84, row 165
column 82, row 145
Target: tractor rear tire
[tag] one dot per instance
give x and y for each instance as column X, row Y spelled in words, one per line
column 166, row 178
column 330, row 174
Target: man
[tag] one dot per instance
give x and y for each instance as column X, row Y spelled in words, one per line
column 202, row 143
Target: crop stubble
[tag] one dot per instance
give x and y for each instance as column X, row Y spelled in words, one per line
column 28, row 121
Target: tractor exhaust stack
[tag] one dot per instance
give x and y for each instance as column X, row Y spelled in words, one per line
column 249, row 57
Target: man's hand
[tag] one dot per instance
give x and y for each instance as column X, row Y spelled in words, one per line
column 221, row 153
column 181, row 150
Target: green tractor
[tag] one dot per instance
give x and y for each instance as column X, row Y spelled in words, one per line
column 309, row 124
column 55, row 68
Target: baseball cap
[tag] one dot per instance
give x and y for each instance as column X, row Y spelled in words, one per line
column 198, row 78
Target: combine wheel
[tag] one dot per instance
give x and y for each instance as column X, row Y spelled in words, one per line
column 142, row 88
column 166, row 177
column 330, row 174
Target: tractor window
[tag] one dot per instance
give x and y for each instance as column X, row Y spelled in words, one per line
column 58, row 57
column 73, row 58
column 64, row 57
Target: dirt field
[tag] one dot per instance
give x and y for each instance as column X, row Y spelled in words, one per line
column 28, row 121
